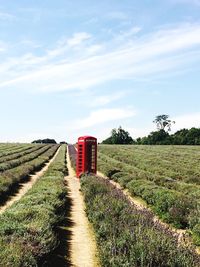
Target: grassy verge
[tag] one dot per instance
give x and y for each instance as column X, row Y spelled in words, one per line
column 28, row 228
column 126, row 236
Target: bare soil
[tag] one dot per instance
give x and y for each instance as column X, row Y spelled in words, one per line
column 26, row 186
column 83, row 251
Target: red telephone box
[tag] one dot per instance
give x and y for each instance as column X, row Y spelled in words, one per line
column 86, row 155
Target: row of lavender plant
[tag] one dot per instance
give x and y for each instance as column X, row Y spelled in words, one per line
column 10, row 179
column 127, row 236
column 178, row 208
column 72, row 154
column 28, row 229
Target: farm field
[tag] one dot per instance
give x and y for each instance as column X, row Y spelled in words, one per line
column 19, row 163
column 27, row 228
column 127, row 236
column 48, row 225
column 166, row 177
column 36, row 223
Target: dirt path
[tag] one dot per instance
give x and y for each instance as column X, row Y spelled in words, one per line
column 24, row 187
column 83, row 246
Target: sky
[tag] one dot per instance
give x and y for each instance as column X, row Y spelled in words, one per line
column 72, row 68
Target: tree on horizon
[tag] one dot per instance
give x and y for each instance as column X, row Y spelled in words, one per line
column 162, row 122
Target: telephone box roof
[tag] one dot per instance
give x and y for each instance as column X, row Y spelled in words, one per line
column 87, row 137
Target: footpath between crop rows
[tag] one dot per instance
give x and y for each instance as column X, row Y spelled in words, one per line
column 83, row 251
column 75, row 245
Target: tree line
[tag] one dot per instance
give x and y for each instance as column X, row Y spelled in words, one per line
column 159, row 137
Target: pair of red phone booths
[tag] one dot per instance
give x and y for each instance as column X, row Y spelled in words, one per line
column 86, row 161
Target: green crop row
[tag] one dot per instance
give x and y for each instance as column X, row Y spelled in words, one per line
column 72, row 155
column 9, row 164
column 9, row 179
column 170, row 162
column 178, row 208
column 14, row 148
column 129, row 237
column 19, row 154
column 7, row 146
column 110, row 165
column 28, row 227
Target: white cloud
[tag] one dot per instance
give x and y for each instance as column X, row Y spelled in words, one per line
column 100, row 116
column 6, row 16
column 65, row 44
column 25, row 137
column 106, row 99
column 160, row 52
column 186, row 121
column 91, row 50
column 78, row 38
column 3, row 46
column 128, row 34
column 197, row 2
column 29, row 43
column 117, row 15
column 190, row 2
column 156, row 93
column 139, row 132
column 183, row 121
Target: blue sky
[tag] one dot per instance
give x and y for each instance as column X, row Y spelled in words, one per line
column 71, row 68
